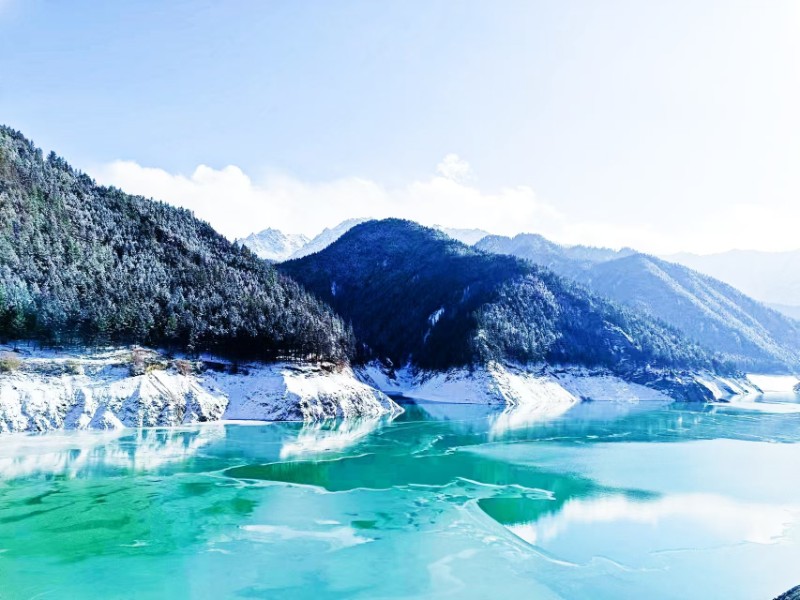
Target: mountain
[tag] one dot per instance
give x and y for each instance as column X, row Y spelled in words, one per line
column 788, row 310
column 466, row 236
column 80, row 263
column 415, row 294
column 274, row 245
column 326, row 238
column 330, row 235
column 771, row 277
column 537, row 249
column 714, row 314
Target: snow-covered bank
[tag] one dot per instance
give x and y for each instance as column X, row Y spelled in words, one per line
column 44, row 391
column 775, row 383
column 298, row 393
column 549, row 390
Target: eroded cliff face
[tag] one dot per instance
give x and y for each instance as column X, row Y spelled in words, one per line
column 137, row 388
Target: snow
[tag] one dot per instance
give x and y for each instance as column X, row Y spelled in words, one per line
column 102, row 394
column 725, row 387
column 286, row 392
column 539, row 386
column 387, row 380
column 274, row 245
column 326, row 238
column 109, row 400
column 603, row 386
column 96, row 390
column 774, row 383
column 433, row 319
column 541, row 390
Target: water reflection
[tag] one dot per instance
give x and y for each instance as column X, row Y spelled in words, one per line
column 84, row 453
column 609, row 500
column 330, row 436
column 581, row 527
column 525, row 416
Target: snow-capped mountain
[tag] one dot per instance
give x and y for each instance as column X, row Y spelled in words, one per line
column 326, row 238
column 771, row 277
column 274, row 245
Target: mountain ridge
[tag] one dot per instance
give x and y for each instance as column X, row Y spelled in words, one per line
column 770, row 277
column 711, row 312
column 414, row 294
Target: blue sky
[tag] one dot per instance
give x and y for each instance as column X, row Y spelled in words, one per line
column 668, row 126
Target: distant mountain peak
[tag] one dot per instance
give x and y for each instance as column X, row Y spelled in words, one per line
column 274, row 245
column 326, row 238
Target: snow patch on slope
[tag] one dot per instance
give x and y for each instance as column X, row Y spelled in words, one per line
column 546, row 389
column 509, row 385
column 433, row 319
column 112, row 400
column 99, row 392
column 725, row 387
column 299, row 393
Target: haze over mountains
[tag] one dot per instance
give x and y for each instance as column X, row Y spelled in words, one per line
column 771, row 277
column 707, row 310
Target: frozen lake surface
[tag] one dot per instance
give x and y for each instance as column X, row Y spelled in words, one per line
column 612, row 500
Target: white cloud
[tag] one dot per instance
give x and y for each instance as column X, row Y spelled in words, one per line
column 455, row 168
column 236, row 206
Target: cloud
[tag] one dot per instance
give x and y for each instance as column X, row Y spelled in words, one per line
column 236, row 206
column 455, row 168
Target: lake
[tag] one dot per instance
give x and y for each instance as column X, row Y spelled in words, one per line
column 611, row 500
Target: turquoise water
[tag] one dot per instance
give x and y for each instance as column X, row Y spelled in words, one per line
column 445, row 501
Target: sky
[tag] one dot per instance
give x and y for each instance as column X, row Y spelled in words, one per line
column 663, row 126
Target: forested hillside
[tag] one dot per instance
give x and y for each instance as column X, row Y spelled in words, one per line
column 412, row 293
column 714, row 314
column 81, row 263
